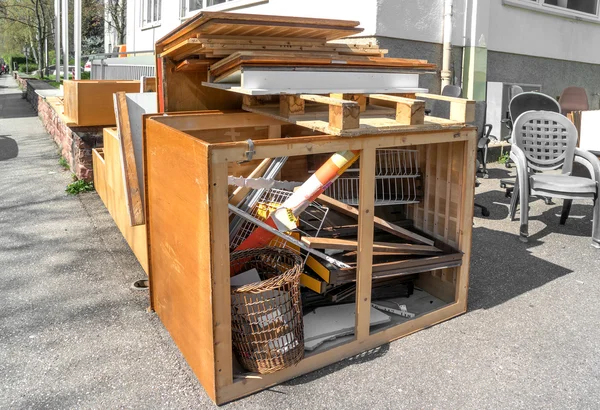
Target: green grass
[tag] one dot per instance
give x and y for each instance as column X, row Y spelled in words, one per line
column 79, row 186
column 63, row 163
column 504, row 158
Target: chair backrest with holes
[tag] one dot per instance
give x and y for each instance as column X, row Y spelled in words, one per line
column 531, row 101
column 548, row 140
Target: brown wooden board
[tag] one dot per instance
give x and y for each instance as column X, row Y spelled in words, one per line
column 108, row 182
column 237, row 24
column 90, row 103
column 133, row 195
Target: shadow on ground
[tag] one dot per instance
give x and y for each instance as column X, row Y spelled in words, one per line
column 11, row 106
column 9, row 148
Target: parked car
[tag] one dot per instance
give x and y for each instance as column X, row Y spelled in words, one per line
column 62, row 73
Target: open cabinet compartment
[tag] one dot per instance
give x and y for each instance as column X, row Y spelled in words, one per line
column 187, row 161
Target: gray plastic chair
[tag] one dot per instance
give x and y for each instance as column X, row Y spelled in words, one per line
column 545, row 141
column 520, row 103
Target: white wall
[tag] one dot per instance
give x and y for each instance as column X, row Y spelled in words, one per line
column 143, row 39
column 419, row 20
column 521, row 31
column 364, row 11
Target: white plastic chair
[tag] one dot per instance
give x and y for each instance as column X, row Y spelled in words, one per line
column 545, row 141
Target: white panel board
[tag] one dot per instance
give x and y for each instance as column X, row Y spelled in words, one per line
column 589, row 138
column 139, row 104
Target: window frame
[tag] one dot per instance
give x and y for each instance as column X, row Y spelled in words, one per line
column 541, row 6
column 155, row 22
column 227, row 5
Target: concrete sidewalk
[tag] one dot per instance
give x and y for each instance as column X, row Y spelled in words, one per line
column 74, row 335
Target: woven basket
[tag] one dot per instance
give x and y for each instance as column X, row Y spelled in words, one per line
column 266, row 316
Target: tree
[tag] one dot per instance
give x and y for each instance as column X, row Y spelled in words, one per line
column 116, row 18
column 27, row 23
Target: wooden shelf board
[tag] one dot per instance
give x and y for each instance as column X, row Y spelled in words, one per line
column 369, row 124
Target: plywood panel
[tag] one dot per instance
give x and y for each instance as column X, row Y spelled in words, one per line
column 178, row 219
column 108, row 180
column 90, row 103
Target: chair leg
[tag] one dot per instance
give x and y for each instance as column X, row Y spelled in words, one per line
column 514, row 200
column 485, row 154
column 596, row 224
column 524, row 205
column 565, row 211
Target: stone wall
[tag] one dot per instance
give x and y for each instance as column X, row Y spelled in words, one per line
column 75, row 143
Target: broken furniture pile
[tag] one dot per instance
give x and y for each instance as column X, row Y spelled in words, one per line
column 301, row 146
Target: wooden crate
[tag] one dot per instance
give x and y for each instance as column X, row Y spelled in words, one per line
column 110, row 185
column 187, row 161
column 90, row 103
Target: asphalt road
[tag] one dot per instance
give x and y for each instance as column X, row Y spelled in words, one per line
column 73, row 334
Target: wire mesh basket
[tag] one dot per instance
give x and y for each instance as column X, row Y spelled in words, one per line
column 397, row 179
column 310, row 221
column 267, row 328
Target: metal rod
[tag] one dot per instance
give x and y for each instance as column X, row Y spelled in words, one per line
column 65, row 33
column 287, row 238
column 77, row 37
column 57, row 39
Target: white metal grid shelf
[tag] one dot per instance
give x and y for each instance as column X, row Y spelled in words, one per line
column 397, row 179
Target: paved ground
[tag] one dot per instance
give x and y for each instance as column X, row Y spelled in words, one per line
column 74, row 335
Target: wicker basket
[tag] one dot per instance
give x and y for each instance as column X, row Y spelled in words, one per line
column 267, row 327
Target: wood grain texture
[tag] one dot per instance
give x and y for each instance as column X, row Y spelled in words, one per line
column 379, row 223
column 290, row 105
column 181, row 259
column 130, row 177
column 352, row 245
column 366, row 213
column 108, row 181
column 90, row 103
column 187, row 231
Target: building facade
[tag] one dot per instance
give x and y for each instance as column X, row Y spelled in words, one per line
column 549, row 43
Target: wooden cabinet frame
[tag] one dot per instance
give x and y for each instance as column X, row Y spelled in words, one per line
column 188, row 241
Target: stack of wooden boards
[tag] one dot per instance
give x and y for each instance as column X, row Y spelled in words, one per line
column 221, row 42
column 274, row 55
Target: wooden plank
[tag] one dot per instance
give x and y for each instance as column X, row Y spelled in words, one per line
column 466, row 218
column 109, row 183
column 408, row 111
column 192, row 65
column 366, row 213
column 320, row 144
column 90, row 102
column 461, row 110
column 343, row 114
column 359, row 98
column 290, row 105
column 352, row 245
column 180, row 248
column 379, row 223
column 220, row 275
column 448, row 191
column 237, row 24
column 369, row 123
column 130, row 175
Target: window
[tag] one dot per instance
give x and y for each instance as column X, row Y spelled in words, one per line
column 578, row 9
column 191, row 7
column 151, row 12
